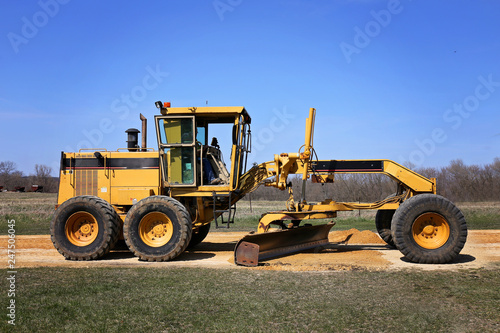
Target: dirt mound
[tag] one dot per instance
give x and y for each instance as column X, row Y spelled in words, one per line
column 354, row 236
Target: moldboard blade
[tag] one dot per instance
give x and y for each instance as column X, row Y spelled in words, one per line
column 252, row 248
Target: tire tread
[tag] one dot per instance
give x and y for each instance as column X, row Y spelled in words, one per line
column 185, row 229
column 111, row 223
column 410, row 209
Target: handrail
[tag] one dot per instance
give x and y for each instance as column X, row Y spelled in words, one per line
column 92, row 149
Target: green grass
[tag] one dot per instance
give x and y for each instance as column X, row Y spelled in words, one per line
column 481, row 215
column 33, row 213
column 246, row 300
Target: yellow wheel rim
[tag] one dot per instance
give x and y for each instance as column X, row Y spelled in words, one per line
column 155, row 229
column 81, row 229
column 431, row 231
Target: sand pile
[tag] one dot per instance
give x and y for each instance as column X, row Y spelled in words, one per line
column 354, row 236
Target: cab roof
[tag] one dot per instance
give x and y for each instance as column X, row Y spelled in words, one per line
column 209, row 112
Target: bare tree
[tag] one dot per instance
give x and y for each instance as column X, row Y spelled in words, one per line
column 9, row 176
column 43, row 178
column 6, row 168
column 42, row 171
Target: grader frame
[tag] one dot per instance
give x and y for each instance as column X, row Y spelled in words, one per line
column 161, row 202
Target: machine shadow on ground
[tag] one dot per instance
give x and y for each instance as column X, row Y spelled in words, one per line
column 460, row 259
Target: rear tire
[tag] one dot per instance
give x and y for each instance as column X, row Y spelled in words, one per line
column 429, row 229
column 157, row 228
column 84, row 228
column 198, row 236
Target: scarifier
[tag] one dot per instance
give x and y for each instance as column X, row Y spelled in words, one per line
column 164, row 201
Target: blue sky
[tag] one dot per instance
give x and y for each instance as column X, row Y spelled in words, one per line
column 415, row 81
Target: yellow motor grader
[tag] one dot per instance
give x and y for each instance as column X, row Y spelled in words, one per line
column 162, row 201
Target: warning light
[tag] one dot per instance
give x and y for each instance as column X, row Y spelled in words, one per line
column 162, row 106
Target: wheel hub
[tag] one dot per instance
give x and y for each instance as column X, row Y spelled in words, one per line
column 81, row 229
column 158, row 229
column 155, row 229
column 85, row 228
column 430, row 230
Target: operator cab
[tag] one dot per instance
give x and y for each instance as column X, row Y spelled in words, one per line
column 190, row 152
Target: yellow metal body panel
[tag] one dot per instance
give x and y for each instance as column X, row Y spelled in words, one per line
column 66, row 186
column 117, row 177
column 76, row 180
column 296, row 164
column 200, row 191
column 413, row 180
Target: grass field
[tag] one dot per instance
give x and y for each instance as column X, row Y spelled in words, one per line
column 33, row 212
column 227, row 300
column 241, row 300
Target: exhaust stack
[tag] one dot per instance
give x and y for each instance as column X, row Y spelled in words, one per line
column 144, row 132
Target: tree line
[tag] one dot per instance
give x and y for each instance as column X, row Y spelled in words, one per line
column 40, row 180
column 457, row 182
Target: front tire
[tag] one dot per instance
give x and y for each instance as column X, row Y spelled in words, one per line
column 157, row 228
column 429, row 229
column 199, row 235
column 84, row 228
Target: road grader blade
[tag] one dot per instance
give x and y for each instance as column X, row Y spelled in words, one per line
column 256, row 247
